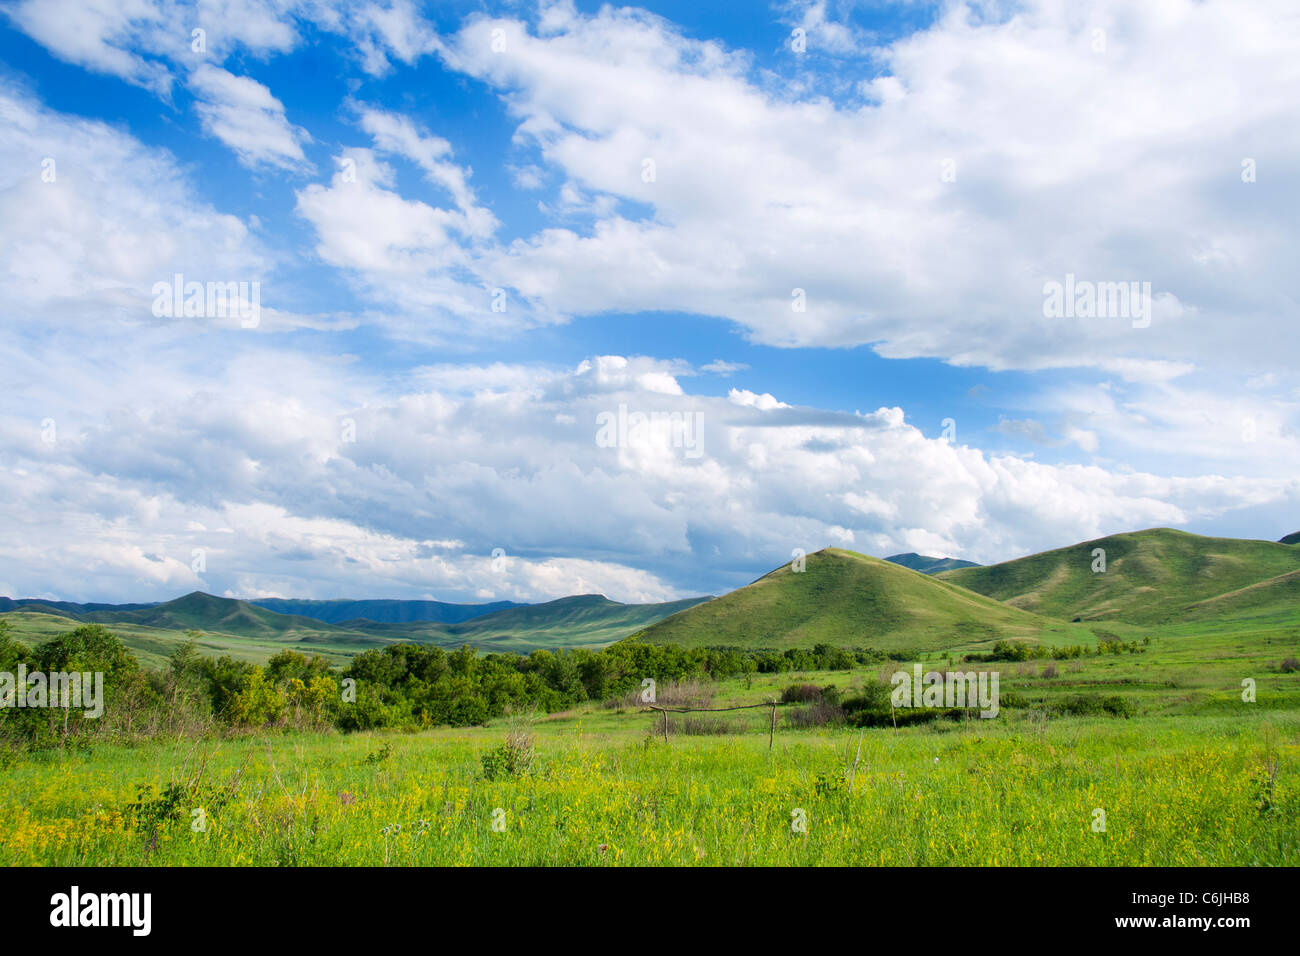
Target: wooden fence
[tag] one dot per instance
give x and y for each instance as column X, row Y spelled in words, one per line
column 771, row 734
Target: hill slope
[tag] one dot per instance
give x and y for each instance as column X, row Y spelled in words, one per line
column 927, row 564
column 1151, row 576
column 1274, row 596
column 849, row 600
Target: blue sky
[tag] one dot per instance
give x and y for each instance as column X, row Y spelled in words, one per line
column 914, row 174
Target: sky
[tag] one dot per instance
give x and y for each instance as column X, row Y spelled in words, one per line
column 474, row 301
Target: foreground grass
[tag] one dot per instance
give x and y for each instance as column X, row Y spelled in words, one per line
column 1175, row 790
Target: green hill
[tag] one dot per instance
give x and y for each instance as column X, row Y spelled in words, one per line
column 1151, row 576
column 927, row 564
column 849, row 600
column 1292, row 538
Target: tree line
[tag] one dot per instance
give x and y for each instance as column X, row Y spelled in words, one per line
column 402, row 686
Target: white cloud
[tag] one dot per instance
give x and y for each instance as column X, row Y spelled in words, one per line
column 243, row 114
column 1116, row 166
column 88, row 241
column 398, row 135
column 465, row 459
column 180, row 434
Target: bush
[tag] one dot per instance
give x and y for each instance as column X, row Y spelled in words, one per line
column 1093, row 704
column 1290, row 665
column 819, row 713
column 514, row 758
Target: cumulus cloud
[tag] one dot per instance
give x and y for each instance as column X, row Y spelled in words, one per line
column 304, row 470
column 244, row 115
column 425, row 485
column 991, row 155
column 93, row 219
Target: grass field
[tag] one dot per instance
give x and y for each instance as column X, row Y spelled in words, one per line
column 1197, row 776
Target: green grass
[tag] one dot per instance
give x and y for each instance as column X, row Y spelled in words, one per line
column 1152, row 576
column 1196, row 777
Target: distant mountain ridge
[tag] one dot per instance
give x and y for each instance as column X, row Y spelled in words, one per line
column 382, row 611
column 67, row 607
column 590, row 620
column 927, row 564
column 1155, row 576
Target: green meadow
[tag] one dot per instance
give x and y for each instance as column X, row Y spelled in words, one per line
column 1148, row 715
column 1196, row 776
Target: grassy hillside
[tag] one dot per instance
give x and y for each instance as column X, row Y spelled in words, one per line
column 1275, row 597
column 927, row 564
column 850, row 600
column 1151, row 576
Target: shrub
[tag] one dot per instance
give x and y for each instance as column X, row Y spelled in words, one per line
column 1089, row 704
column 514, row 758
column 1290, row 665
column 819, row 713
column 801, row 694
column 833, row 784
column 688, row 725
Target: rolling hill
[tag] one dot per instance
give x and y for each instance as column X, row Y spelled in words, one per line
column 927, row 564
column 1153, row 576
column 1157, row 576
column 850, row 600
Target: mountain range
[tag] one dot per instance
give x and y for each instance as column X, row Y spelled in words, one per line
column 908, row 601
